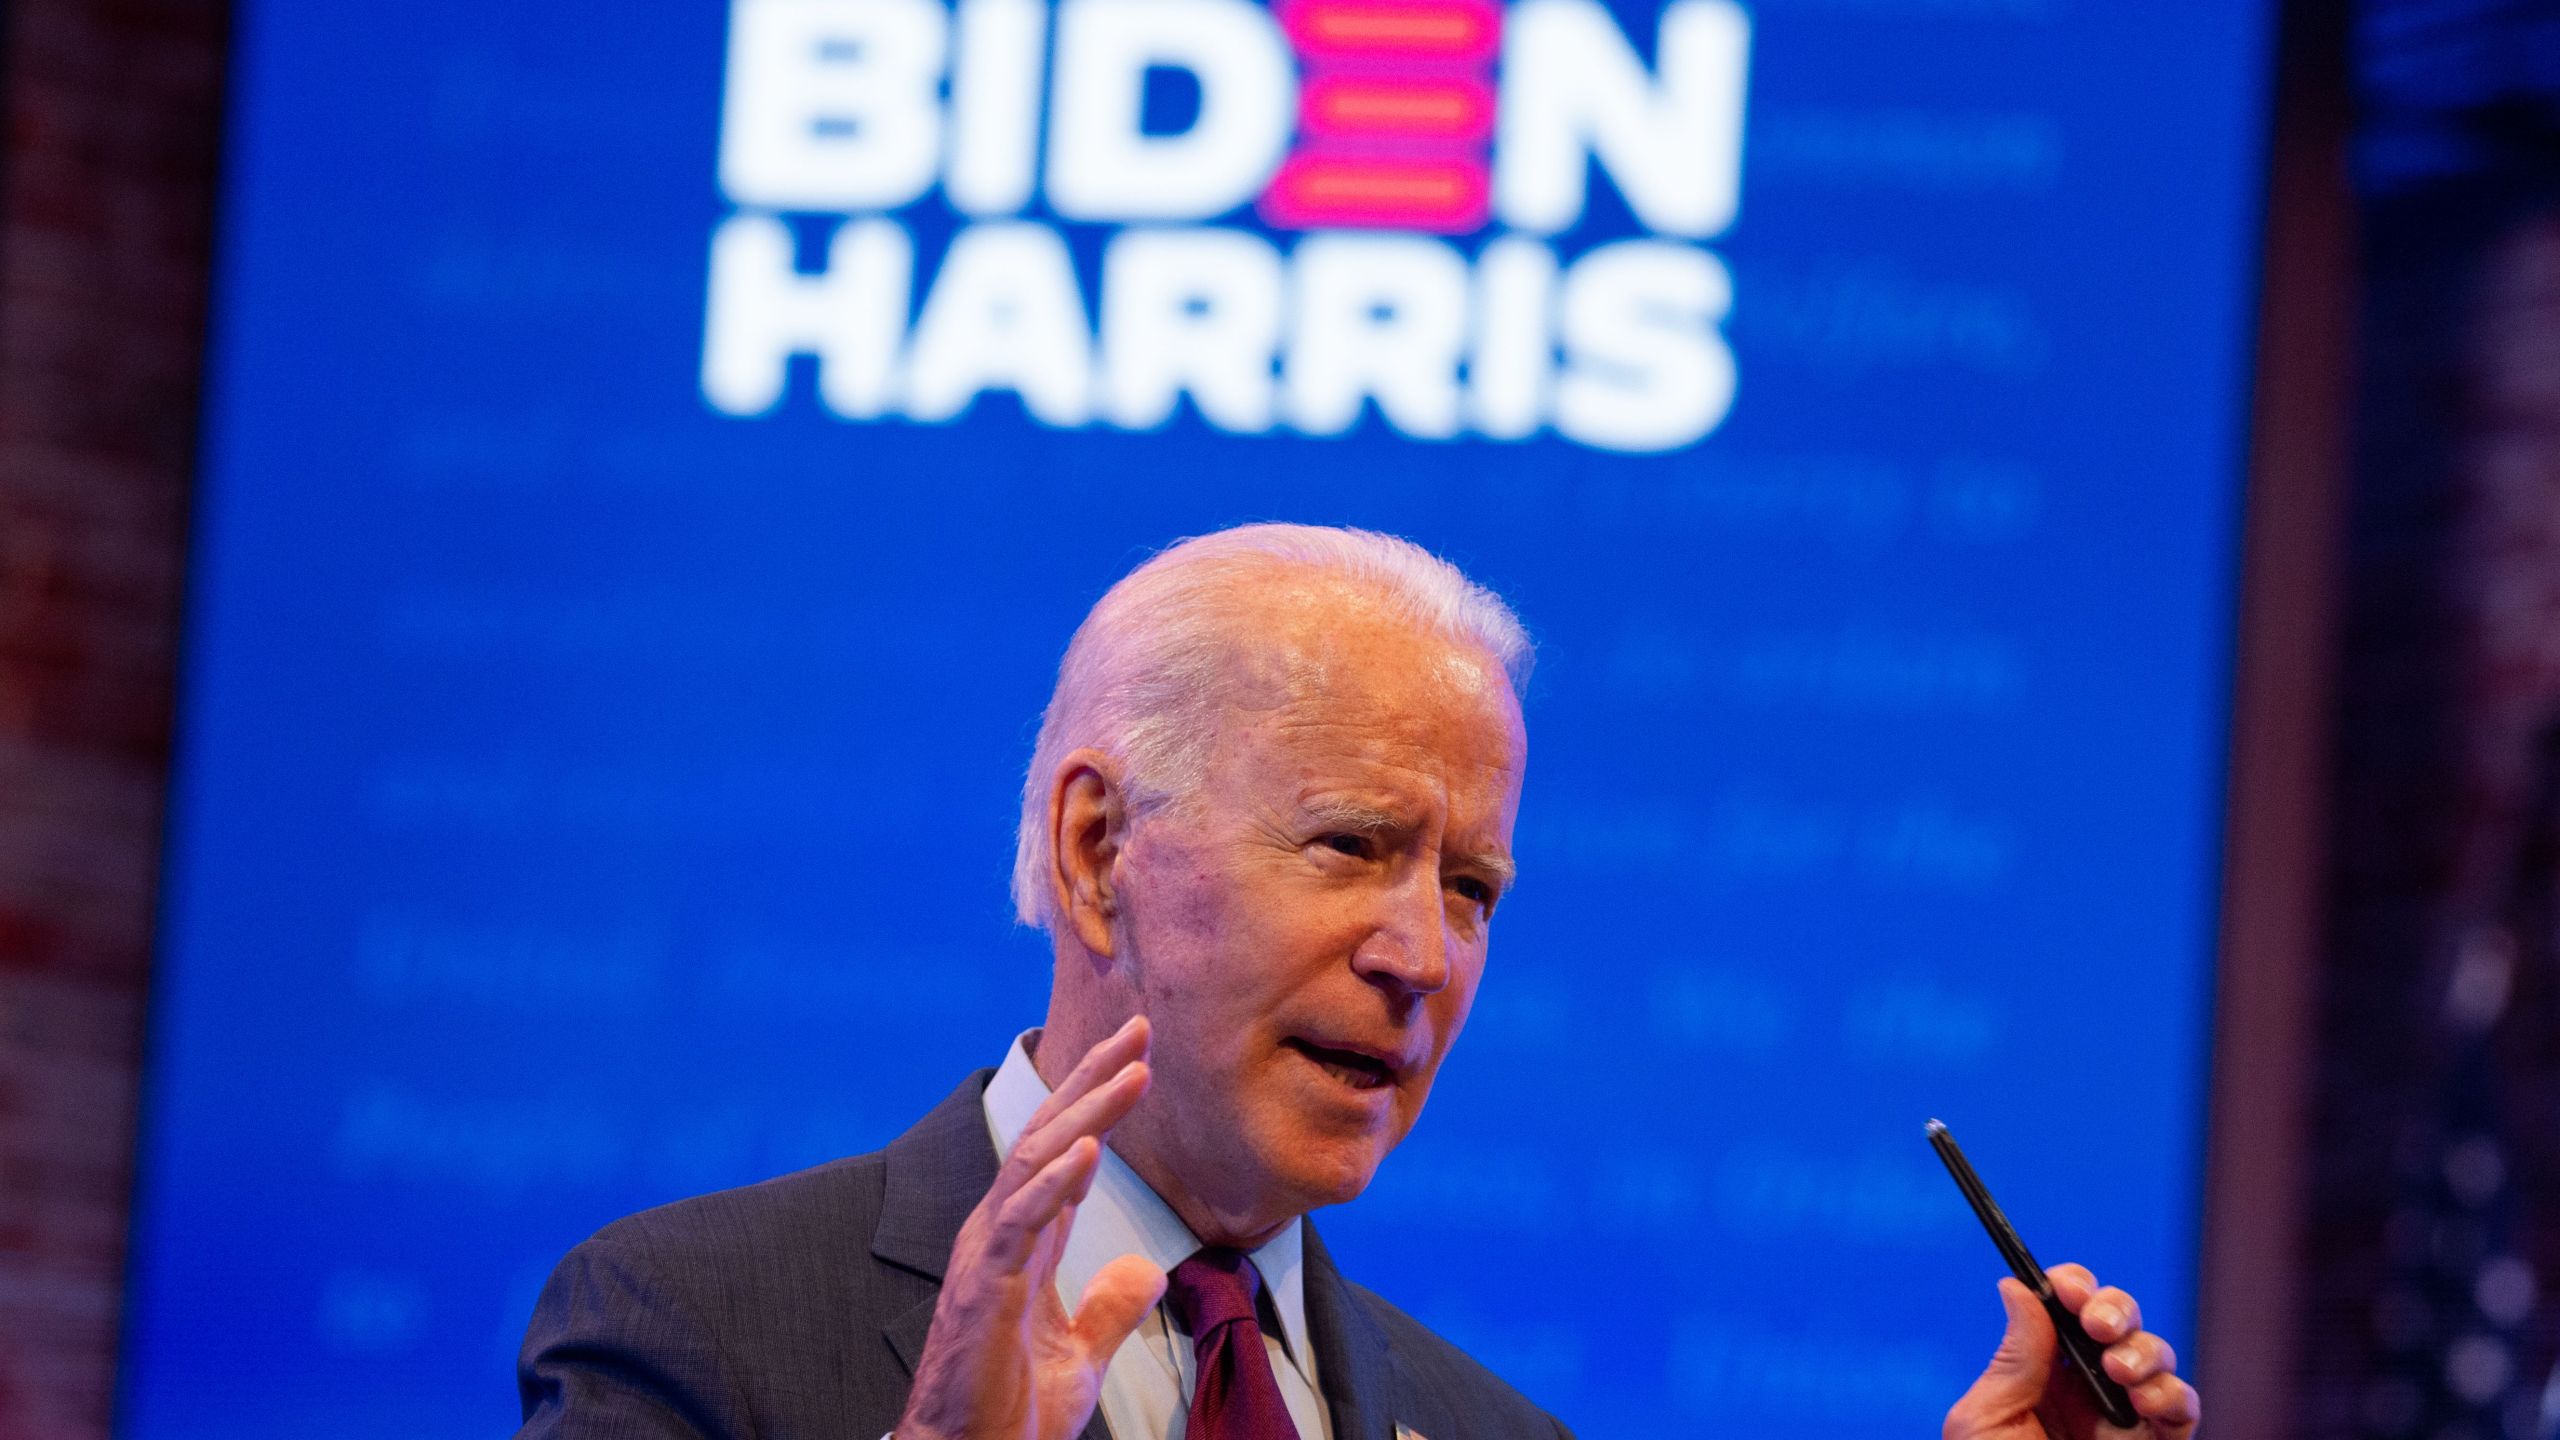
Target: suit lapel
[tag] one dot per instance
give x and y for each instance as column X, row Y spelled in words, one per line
column 934, row 1175
column 1353, row 1361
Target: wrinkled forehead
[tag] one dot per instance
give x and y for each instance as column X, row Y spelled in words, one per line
column 1359, row 678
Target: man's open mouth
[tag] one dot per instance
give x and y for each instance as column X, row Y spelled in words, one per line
column 1360, row 1072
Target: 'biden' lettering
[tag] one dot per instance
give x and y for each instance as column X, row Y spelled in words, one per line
column 1369, row 207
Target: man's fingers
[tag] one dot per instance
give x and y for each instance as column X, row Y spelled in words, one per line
column 1052, row 1240
column 2139, row 1358
column 2110, row 1316
column 2107, row 1313
column 2015, row 1384
column 1025, row 1213
column 1093, row 1098
column 2073, row 1283
column 1100, row 1063
column 1051, row 1243
column 2169, row 1403
column 1119, row 1296
column 1091, row 1117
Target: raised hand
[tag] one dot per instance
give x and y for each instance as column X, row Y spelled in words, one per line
column 1004, row 1360
column 2027, row 1394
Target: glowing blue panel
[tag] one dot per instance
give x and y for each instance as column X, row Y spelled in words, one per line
column 655, row 456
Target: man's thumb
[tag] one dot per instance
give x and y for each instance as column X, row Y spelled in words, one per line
column 1119, row 1296
column 2013, row 1383
column 2026, row 1348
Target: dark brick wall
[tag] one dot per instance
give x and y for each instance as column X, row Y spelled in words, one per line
column 112, row 116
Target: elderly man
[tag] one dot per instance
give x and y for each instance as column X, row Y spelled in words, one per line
column 1266, row 827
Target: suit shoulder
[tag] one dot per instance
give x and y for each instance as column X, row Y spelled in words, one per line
column 798, row 1214
column 729, row 1308
column 1502, row 1410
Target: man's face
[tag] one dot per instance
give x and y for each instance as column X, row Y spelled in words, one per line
column 1306, row 936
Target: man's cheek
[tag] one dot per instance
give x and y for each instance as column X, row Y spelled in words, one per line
column 1449, row 1015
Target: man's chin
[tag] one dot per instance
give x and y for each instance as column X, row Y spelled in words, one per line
column 1330, row 1172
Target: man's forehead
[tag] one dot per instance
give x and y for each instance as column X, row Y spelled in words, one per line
column 1356, row 681
column 1370, row 667
column 1401, row 720
column 1326, row 619
column 1338, row 747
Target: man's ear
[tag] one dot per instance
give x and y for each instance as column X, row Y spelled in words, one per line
column 1088, row 827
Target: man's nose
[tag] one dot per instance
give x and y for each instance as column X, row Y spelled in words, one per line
column 1409, row 949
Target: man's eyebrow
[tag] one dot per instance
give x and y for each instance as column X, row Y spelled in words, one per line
column 1351, row 815
column 1498, row 865
column 1362, row 819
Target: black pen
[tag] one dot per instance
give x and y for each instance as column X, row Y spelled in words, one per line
column 2083, row 1352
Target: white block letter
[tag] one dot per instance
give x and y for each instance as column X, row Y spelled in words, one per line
column 830, row 104
column 995, row 105
column 1195, row 310
column 1645, row 366
column 1004, row 313
column 762, row 312
column 1375, row 315
column 1573, row 90
column 1512, row 364
column 1102, row 167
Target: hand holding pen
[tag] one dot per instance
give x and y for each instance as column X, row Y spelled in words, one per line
column 2026, row 1393
column 2064, row 1330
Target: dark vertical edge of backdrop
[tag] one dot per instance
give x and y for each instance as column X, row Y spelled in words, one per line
column 212, row 182
column 2275, row 836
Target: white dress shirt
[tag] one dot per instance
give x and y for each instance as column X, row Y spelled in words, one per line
column 1146, row 1395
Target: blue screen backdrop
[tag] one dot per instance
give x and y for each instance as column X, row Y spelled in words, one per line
column 655, row 455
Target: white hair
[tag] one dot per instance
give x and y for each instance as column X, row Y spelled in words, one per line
column 1144, row 672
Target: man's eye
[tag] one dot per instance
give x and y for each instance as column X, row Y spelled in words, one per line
column 1347, row 844
column 1470, row 888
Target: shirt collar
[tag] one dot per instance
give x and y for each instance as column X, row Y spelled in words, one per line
column 1122, row 1215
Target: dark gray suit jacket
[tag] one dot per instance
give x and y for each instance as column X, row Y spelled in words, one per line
column 798, row 1308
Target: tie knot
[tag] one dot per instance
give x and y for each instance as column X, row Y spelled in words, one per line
column 1213, row 1288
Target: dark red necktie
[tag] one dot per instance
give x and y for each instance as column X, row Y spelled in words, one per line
column 1236, row 1397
